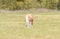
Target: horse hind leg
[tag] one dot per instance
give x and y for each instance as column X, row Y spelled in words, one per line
column 32, row 22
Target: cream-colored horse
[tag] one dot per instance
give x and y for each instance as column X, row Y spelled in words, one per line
column 29, row 20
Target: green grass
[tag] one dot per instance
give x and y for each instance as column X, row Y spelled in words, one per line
column 46, row 26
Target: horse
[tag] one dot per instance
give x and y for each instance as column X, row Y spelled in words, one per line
column 28, row 20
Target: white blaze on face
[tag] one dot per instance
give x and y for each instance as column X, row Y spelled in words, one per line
column 27, row 21
column 26, row 18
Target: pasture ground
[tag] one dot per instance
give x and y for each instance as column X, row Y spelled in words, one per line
column 46, row 26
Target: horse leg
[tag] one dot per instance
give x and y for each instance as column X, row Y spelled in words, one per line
column 32, row 22
column 27, row 24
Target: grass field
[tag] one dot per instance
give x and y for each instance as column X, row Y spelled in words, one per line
column 46, row 26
